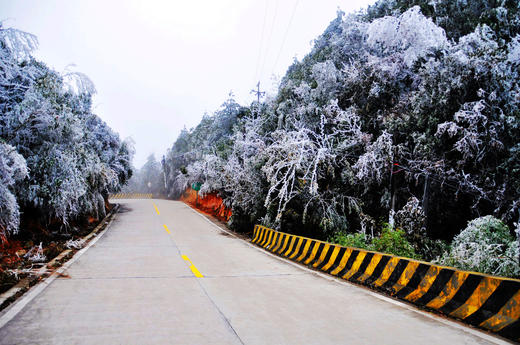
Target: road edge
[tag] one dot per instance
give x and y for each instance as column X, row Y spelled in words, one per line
column 17, row 306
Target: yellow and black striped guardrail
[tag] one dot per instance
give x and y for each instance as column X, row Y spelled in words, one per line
column 130, row 196
column 489, row 302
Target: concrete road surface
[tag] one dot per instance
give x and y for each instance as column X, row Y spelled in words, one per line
column 164, row 274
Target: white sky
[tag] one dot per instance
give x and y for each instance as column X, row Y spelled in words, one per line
column 159, row 65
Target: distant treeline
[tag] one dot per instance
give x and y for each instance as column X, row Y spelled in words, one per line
column 149, row 179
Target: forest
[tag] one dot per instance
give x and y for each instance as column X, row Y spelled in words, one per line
column 58, row 160
column 398, row 132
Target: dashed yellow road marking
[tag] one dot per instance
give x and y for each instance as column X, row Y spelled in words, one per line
column 166, row 228
column 196, row 272
column 194, row 269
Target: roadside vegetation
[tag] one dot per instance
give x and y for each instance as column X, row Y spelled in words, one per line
column 58, row 160
column 391, row 241
column 398, row 132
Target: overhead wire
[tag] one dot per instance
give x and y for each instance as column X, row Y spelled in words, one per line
column 261, row 41
column 269, row 39
column 285, row 36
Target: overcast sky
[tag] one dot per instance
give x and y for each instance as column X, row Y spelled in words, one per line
column 160, row 65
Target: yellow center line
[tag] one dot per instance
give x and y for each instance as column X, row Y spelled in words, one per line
column 193, row 269
column 196, row 272
column 166, row 228
column 187, row 259
column 156, row 209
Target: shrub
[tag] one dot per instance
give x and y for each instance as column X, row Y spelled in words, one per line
column 357, row 240
column 412, row 219
column 486, row 246
column 393, row 242
column 390, row 241
column 430, row 250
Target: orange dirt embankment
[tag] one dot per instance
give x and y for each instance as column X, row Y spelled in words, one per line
column 211, row 204
column 10, row 254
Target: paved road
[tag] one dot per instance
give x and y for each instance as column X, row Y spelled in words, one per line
column 140, row 284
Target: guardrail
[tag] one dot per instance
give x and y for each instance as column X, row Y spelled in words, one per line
column 484, row 301
column 131, row 196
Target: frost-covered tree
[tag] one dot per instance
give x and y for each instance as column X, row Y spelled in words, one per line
column 411, row 34
column 458, row 17
column 201, row 147
column 12, row 170
column 485, row 245
column 74, row 160
column 410, row 107
column 148, row 179
column 411, row 218
column 372, row 166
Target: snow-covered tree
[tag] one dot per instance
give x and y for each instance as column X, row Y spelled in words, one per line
column 148, row 179
column 12, row 170
column 485, row 245
column 74, row 160
column 409, row 109
column 411, row 34
column 372, row 166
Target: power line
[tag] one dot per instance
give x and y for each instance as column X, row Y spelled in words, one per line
column 269, row 39
column 261, row 42
column 285, row 35
column 257, row 92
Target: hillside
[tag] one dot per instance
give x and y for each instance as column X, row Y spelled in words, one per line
column 406, row 113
